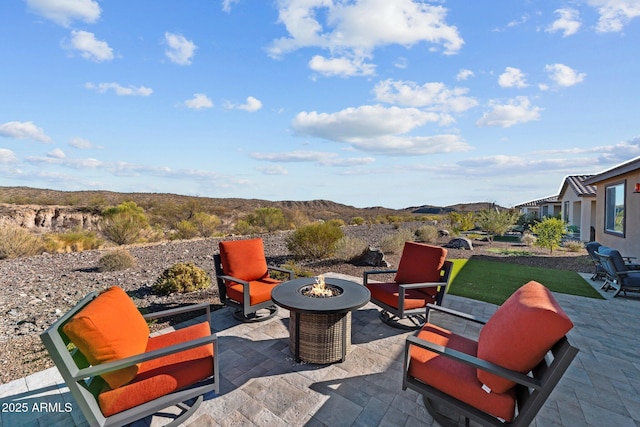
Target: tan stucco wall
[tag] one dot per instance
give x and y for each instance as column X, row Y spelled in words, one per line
column 629, row 245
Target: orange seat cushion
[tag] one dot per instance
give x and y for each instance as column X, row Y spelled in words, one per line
column 243, row 259
column 420, row 263
column 521, row 332
column 109, row 328
column 455, row 378
column 164, row 375
column 259, row 290
column 389, row 293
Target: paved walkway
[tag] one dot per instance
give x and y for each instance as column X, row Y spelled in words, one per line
column 263, row 386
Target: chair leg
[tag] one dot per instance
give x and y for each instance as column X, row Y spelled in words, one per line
column 257, row 316
column 407, row 323
column 440, row 418
column 188, row 411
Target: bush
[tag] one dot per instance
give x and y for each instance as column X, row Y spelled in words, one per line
column 357, row 220
column 573, row 245
column 125, row 223
column 348, row 248
column 73, row 241
column 549, row 232
column 394, row 243
column 206, row 224
column 243, row 227
column 268, row 219
column 119, row 259
column 528, row 239
column 16, row 242
column 427, row 234
column 496, row 222
column 314, row 241
column 181, row 277
column 185, row 230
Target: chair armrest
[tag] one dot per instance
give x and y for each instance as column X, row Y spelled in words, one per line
column 291, row 274
column 420, row 285
column 233, row 279
column 115, row 365
column 456, row 313
column 492, row 368
column 178, row 310
column 366, row 274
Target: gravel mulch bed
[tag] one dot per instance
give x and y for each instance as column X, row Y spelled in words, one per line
column 37, row 290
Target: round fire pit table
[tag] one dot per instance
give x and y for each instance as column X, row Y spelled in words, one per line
column 320, row 327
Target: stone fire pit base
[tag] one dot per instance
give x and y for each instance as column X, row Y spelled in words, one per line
column 320, row 338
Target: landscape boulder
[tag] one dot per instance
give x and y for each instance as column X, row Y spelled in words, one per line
column 371, row 256
column 443, row 233
column 460, row 243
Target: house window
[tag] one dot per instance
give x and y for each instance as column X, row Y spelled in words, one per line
column 566, row 211
column 614, row 210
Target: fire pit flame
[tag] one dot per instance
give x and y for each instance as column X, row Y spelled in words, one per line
column 320, row 288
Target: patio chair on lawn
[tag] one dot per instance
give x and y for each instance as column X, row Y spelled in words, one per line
column 621, row 277
column 243, row 279
column 592, row 249
column 421, row 278
column 118, row 374
column 504, row 377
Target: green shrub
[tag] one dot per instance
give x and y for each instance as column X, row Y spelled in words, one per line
column 357, row 220
column 427, row 234
column 268, row 219
column 394, row 243
column 15, row 242
column 528, row 239
column 181, row 277
column 348, row 248
column 573, row 245
column 206, row 224
column 125, row 223
column 298, row 271
column 118, row 259
column 74, row 241
column 549, row 233
column 185, row 230
column 314, row 241
column 243, row 227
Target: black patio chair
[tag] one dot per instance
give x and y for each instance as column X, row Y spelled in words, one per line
column 620, row 276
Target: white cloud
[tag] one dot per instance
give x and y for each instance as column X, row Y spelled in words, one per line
column 464, row 75
column 7, row 156
column 512, row 77
column 63, row 12
column 251, row 105
column 180, row 50
column 615, row 14
column 56, row 153
column 119, row 89
column 361, row 26
column 273, row 170
column 226, row 5
column 434, row 95
column 320, row 157
column 55, row 158
column 343, row 66
column 89, row 47
column 517, row 110
column 378, row 129
column 23, row 130
column 568, row 22
column 563, row 75
column 81, row 143
column 199, row 101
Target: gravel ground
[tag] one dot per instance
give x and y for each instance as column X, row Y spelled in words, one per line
column 37, row 290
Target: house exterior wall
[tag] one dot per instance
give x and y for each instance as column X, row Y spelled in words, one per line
column 629, row 243
column 570, row 205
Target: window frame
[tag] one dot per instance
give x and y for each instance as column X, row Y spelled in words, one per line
column 609, row 221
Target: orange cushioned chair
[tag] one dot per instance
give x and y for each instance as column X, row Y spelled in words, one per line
column 422, row 278
column 117, row 373
column 503, row 378
column 243, row 279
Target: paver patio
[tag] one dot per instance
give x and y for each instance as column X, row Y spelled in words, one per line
column 263, row 386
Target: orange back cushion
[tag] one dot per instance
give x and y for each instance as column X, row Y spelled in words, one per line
column 521, row 332
column 420, row 263
column 110, row 328
column 243, row 259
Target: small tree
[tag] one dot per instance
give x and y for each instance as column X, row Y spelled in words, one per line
column 461, row 222
column 124, row 224
column 496, row 222
column 549, row 232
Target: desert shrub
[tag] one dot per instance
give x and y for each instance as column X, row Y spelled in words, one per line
column 74, row 241
column 394, row 243
column 314, row 241
column 268, row 219
column 206, row 224
column 549, row 232
column 528, row 239
column 496, row 222
column 15, row 242
column 296, row 218
column 243, row 227
column 125, row 223
column 118, row 259
column 337, row 222
column 461, row 222
column 357, row 220
column 298, row 270
column 573, row 245
column 181, row 277
column 348, row 248
column 185, row 230
column 427, row 234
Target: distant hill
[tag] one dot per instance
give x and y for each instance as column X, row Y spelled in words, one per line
column 227, row 208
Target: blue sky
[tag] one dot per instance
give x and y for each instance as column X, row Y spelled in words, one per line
column 363, row 102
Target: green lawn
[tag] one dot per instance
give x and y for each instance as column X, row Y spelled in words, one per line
column 494, row 281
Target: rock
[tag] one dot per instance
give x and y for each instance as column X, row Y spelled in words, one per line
column 443, row 233
column 460, row 243
column 371, row 257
